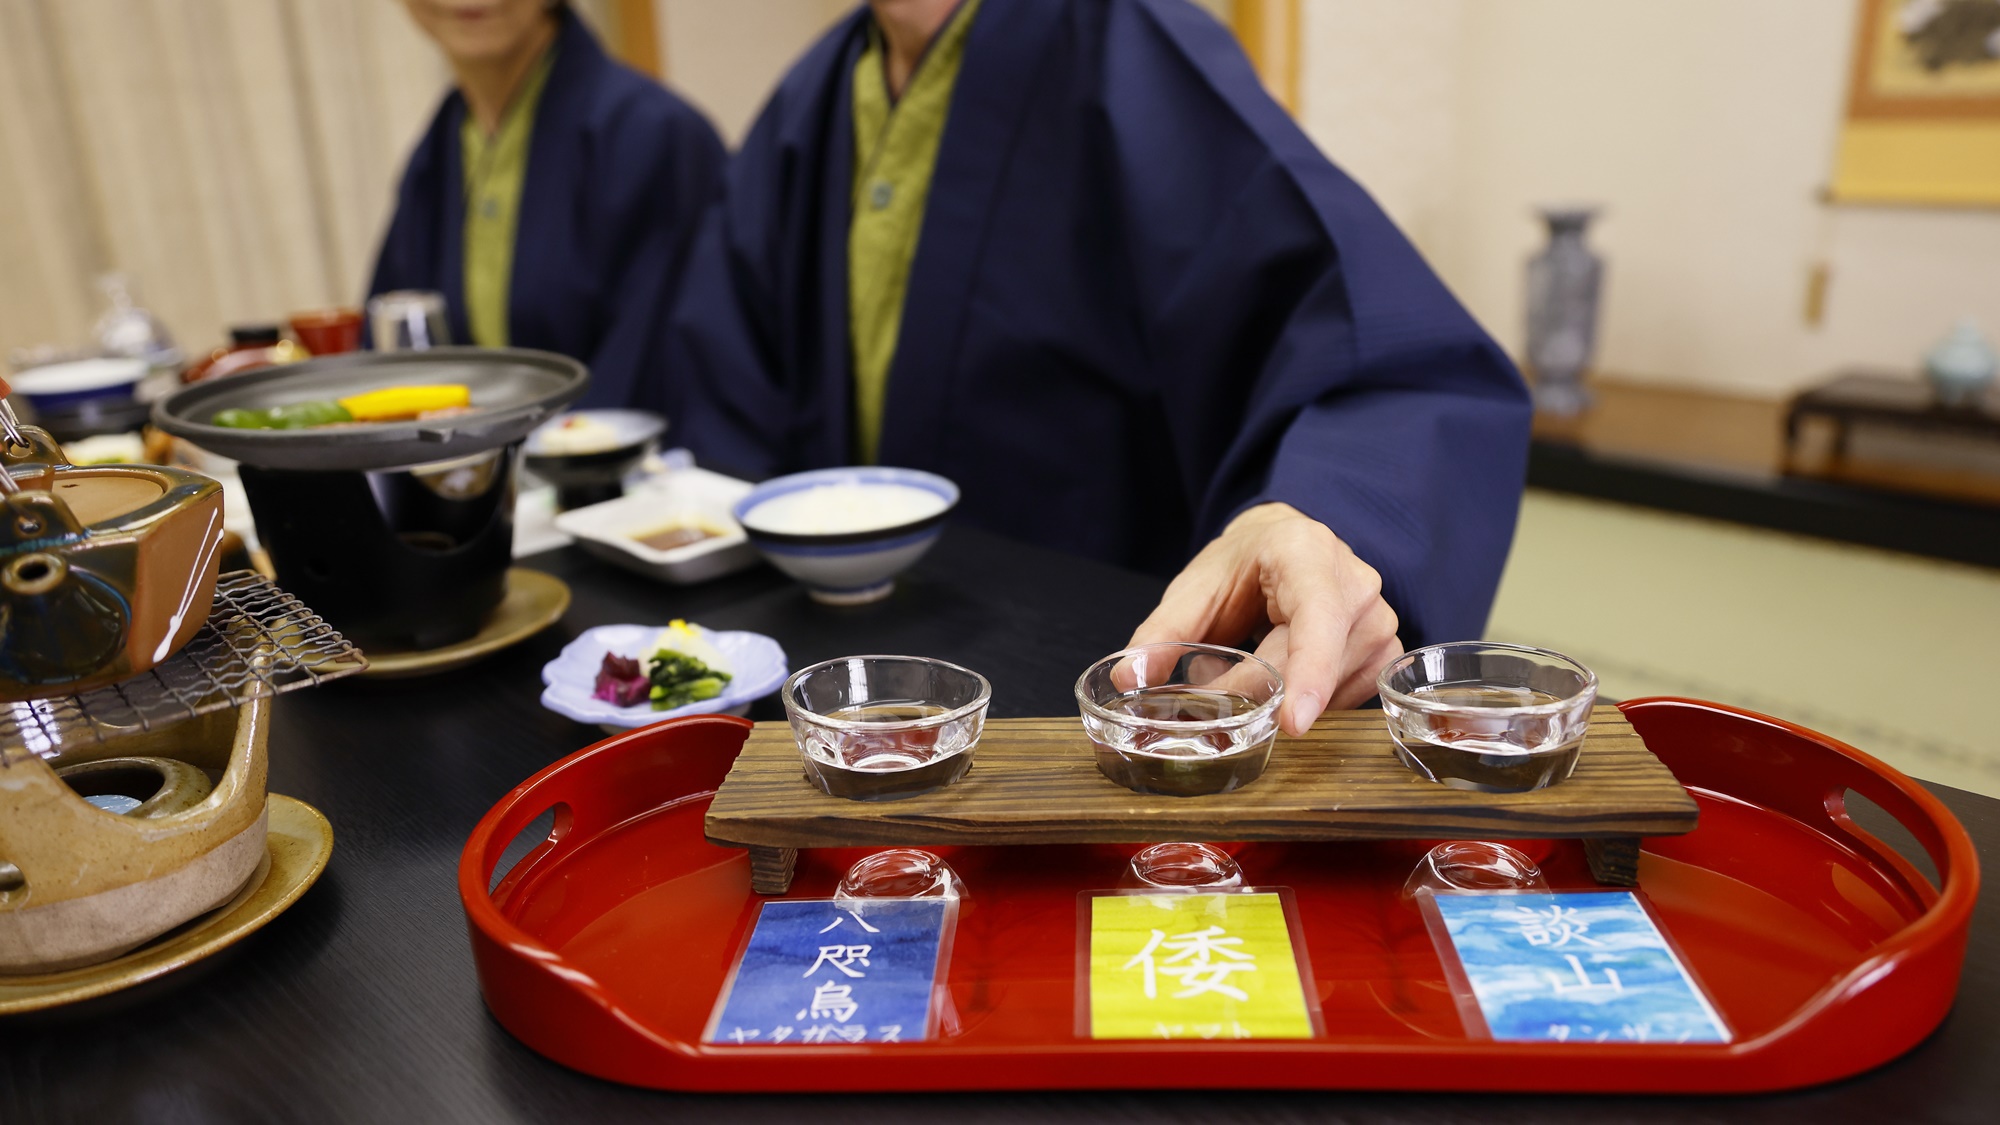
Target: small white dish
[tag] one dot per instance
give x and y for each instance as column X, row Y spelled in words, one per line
column 688, row 495
column 603, row 432
column 106, row 449
column 757, row 668
column 587, row 454
column 535, row 521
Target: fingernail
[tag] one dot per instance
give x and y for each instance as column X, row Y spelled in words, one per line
column 1306, row 711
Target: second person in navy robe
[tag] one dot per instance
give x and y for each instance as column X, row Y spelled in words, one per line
column 1143, row 306
column 618, row 173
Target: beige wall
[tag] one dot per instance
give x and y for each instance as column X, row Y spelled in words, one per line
column 1704, row 127
column 240, row 176
column 1379, row 91
column 725, row 58
column 237, row 156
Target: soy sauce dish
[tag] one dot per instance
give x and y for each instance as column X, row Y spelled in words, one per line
column 845, row 534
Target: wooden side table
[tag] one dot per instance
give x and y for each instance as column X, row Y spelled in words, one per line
column 1888, row 400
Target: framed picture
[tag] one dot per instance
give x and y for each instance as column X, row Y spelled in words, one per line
column 1923, row 104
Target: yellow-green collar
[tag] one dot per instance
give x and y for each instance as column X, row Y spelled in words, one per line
column 496, row 168
column 895, row 152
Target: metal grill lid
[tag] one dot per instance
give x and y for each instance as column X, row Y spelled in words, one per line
column 513, row 391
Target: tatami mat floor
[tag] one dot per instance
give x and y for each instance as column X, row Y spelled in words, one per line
column 1894, row 654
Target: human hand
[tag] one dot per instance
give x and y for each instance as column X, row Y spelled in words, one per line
column 1330, row 630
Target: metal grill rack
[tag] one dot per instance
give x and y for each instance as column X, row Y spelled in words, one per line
column 258, row 640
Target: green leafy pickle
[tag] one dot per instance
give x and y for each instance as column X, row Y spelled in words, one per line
column 679, row 679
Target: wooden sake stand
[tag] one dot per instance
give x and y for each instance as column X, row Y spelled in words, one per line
column 1035, row 781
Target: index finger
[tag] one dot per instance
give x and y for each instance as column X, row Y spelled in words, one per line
column 1315, row 636
column 1190, row 610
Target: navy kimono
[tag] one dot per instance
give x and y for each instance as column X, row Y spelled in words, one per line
column 1141, row 301
column 619, row 173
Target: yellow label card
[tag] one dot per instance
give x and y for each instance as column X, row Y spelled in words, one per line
column 1194, row 966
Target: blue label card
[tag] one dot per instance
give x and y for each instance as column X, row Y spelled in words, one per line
column 1588, row 966
column 821, row 971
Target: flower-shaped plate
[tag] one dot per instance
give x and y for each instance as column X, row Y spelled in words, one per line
column 756, row 663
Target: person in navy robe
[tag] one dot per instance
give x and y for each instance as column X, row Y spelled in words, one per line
column 1145, row 320
column 553, row 198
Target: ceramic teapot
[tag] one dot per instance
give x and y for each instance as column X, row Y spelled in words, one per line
column 105, row 570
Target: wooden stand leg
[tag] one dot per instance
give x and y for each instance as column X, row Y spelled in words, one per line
column 1614, row 860
column 771, row 869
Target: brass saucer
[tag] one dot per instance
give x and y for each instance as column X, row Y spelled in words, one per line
column 298, row 844
column 534, row 602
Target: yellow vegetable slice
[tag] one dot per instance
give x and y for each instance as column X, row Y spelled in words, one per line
column 391, row 403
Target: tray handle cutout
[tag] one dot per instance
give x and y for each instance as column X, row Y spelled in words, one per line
column 597, row 789
column 1808, row 776
column 550, row 1004
column 1892, row 860
column 524, row 850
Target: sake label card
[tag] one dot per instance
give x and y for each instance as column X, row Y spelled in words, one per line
column 1588, row 966
column 1192, row 965
column 827, row 971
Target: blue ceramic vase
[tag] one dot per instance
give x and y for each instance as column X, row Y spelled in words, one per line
column 1563, row 285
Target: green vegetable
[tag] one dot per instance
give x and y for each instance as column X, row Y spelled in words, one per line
column 291, row 416
column 304, row 415
column 679, row 679
column 239, row 419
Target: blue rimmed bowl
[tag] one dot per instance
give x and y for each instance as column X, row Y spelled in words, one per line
column 845, row 534
column 61, row 388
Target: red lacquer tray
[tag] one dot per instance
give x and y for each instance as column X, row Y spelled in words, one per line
column 1825, row 950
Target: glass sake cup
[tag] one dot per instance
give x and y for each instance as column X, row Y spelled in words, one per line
column 875, row 727
column 1474, row 867
column 900, row 873
column 1181, row 719
column 1182, row 865
column 1495, row 718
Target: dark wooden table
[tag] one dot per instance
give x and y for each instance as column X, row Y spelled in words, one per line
column 1888, row 400
column 360, row 1005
